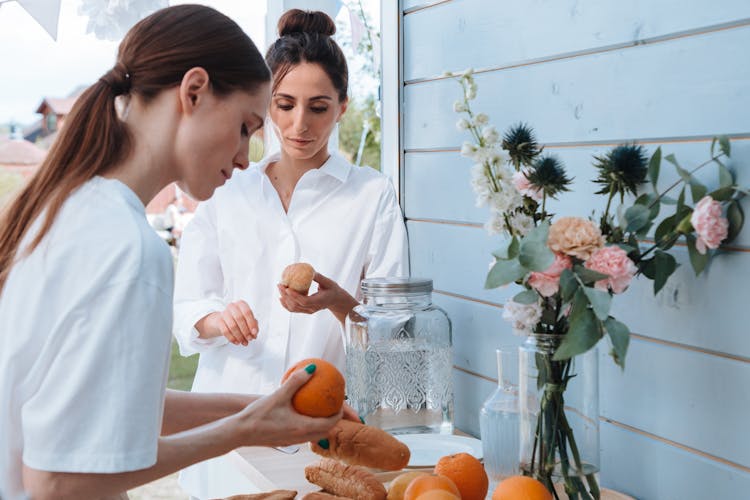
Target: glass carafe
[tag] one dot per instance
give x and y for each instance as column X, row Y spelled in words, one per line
column 398, row 358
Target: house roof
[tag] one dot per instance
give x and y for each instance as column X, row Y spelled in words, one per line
column 57, row 105
column 20, row 152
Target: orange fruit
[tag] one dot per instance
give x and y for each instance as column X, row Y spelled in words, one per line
column 521, row 488
column 400, row 482
column 438, row 495
column 323, row 394
column 428, row 482
column 467, row 472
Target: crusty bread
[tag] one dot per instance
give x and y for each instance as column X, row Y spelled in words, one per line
column 322, row 495
column 345, row 480
column 359, row 444
column 298, row 277
column 270, row 495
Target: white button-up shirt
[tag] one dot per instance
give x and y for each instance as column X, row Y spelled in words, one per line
column 344, row 220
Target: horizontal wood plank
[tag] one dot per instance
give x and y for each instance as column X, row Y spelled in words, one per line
column 460, row 34
column 647, row 91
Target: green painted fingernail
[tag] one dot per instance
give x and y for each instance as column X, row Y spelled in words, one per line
column 323, row 443
column 310, row 368
column 362, row 420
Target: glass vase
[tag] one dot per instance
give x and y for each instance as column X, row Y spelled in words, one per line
column 559, row 410
column 499, row 419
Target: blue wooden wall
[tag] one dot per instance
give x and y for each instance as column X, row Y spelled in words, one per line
column 590, row 74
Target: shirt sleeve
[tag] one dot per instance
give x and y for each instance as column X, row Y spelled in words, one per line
column 388, row 254
column 99, row 406
column 199, row 281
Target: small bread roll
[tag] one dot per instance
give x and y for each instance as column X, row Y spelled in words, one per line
column 359, row 444
column 298, row 277
column 270, row 495
column 322, row 495
column 345, row 480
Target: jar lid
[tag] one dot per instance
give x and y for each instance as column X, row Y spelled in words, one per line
column 395, row 286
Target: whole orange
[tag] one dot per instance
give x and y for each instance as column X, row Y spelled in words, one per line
column 438, row 495
column 323, row 394
column 467, row 472
column 423, row 484
column 521, row 488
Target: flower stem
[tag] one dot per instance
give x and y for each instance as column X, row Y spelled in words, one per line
column 681, row 180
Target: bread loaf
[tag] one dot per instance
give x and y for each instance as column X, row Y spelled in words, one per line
column 359, row 444
column 345, row 480
column 270, row 495
column 322, row 495
column 298, row 277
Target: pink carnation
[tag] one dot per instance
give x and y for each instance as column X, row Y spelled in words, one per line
column 709, row 224
column 614, row 262
column 547, row 282
column 525, row 187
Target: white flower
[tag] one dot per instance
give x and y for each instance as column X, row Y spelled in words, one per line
column 468, row 149
column 506, row 199
column 521, row 223
column 459, row 107
column 481, row 184
column 490, row 134
column 471, row 91
column 463, row 124
column 495, row 224
column 523, row 317
column 480, row 119
column 468, row 72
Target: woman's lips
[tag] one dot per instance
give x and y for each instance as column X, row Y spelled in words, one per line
column 300, row 142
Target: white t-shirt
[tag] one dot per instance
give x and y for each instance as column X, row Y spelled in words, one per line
column 85, row 323
column 344, row 220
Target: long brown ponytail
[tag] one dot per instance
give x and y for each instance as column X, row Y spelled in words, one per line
column 153, row 56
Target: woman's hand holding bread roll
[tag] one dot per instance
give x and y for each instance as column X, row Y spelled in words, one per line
column 358, row 444
column 295, row 284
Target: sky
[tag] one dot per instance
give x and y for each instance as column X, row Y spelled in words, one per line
column 33, row 65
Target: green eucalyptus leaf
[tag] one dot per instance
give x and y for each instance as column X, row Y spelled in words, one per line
column 504, row 272
column 668, row 200
column 534, row 253
column 697, row 259
column 726, row 176
column 665, row 265
column 724, row 145
column 587, row 276
column 600, row 301
column 648, row 268
column 584, row 330
column 666, row 226
column 697, row 190
column 736, row 220
column 526, row 297
column 509, row 250
column 654, row 165
column 620, row 337
column 723, row 193
column 713, row 145
column 671, row 159
column 650, row 201
column 637, row 217
column 681, row 200
column 568, row 285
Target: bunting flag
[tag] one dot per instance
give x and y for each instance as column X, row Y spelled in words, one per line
column 44, row 12
column 358, row 28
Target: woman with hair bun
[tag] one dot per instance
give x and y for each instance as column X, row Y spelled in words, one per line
column 302, row 204
column 86, row 284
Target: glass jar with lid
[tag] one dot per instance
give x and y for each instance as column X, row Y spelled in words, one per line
column 398, row 357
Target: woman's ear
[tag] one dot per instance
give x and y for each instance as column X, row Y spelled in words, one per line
column 193, row 88
column 344, row 105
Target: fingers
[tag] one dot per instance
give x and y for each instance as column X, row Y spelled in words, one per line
column 323, row 281
column 296, row 380
column 294, row 301
column 238, row 324
column 350, row 414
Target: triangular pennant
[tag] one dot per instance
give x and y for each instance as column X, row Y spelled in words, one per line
column 45, row 12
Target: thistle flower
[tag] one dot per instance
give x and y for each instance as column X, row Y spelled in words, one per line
column 521, row 145
column 548, row 175
column 621, row 170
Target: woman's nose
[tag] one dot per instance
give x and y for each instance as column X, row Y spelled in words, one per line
column 300, row 120
column 242, row 158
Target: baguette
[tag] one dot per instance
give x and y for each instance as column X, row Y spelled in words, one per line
column 359, row 444
column 270, row 495
column 345, row 480
column 322, row 495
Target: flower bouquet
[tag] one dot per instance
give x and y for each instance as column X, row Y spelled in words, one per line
column 570, row 268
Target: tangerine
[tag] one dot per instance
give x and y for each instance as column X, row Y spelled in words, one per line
column 323, row 394
column 428, row 482
column 438, row 495
column 467, row 472
column 399, row 484
column 521, row 488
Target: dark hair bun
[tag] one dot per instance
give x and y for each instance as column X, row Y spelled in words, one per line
column 302, row 21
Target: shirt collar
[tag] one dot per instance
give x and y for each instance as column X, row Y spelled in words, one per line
column 335, row 166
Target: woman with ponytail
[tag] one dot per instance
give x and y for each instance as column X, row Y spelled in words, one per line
column 86, row 285
column 304, row 203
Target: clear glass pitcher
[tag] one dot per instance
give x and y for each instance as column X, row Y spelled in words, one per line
column 398, row 358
